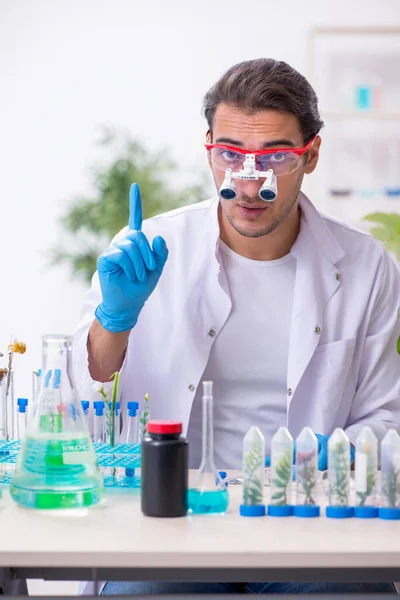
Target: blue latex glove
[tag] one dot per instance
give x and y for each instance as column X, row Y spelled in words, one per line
column 322, row 452
column 129, row 271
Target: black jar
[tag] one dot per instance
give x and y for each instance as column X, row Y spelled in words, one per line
column 164, row 470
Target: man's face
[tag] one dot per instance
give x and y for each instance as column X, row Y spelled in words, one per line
column 247, row 213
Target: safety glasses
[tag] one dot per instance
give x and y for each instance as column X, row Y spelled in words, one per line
column 281, row 160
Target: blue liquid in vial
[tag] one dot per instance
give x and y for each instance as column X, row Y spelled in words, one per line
column 208, row 502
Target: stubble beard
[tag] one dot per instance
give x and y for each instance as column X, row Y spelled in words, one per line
column 294, row 195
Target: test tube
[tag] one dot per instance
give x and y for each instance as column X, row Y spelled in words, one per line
column 390, row 476
column 22, row 404
column 85, row 409
column 132, row 433
column 116, row 423
column 35, row 382
column 365, row 473
column 98, row 422
column 253, row 474
column 306, row 474
column 280, row 504
column 339, row 476
column 144, row 417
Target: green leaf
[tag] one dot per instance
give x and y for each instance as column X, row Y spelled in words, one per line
column 398, row 344
column 279, row 483
column 278, row 495
column 90, row 222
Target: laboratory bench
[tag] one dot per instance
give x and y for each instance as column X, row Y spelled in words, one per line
column 115, row 541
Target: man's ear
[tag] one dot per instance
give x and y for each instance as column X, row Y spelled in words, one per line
column 313, row 156
column 208, row 141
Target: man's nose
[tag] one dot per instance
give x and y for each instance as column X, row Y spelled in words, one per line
column 250, row 187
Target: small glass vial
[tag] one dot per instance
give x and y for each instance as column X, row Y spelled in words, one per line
column 209, row 493
column 164, row 470
column 339, row 476
column 280, row 504
column 253, row 474
column 390, row 476
column 306, row 475
column 366, row 469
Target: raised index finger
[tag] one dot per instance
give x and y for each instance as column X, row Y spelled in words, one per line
column 135, row 208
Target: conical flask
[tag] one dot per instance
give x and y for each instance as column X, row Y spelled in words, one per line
column 56, row 467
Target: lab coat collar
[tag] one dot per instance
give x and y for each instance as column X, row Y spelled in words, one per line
column 315, row 231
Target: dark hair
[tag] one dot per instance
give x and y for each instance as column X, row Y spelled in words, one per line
column 266, row 84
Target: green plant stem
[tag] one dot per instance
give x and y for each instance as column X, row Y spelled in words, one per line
column 114, row 397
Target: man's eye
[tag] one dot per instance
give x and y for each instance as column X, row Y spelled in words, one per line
column 278, row 157
column 230, row 156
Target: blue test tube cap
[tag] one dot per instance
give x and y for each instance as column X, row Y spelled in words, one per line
column 306, row 510
column 285, row 510
column 365, row 512
column 339, row 512
column 252, row 510
column 98, row 408
column 39, row 372
column 85, row 405
column 133, row 407
column 389, row 514
column 223, row 475
column 22, row 403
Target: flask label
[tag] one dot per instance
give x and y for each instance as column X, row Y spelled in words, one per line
column 76, row 453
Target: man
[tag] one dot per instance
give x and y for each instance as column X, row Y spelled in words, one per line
column 293, row 315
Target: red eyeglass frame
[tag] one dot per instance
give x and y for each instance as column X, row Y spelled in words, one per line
column 298, row 151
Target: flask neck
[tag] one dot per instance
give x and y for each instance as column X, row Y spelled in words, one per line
column 56, row 357
column 207, row 459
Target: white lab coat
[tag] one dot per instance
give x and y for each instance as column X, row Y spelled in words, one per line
column 343, row 368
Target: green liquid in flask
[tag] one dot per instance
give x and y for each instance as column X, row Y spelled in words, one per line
column 207, row 502
column 56, row 471
column 56, row 466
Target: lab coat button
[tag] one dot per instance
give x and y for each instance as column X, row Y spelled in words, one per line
column 317, row 329
column 338, row 276
column 289, row 392
column 192, row 387
column 212, row 333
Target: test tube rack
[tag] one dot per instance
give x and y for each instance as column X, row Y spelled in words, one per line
column 120, row 464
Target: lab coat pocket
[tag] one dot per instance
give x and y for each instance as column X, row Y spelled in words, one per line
column 329, row 370
column 330, row 365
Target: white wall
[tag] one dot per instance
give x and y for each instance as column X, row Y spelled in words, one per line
column 68, row 66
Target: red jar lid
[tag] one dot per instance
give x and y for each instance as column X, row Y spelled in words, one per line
column 164, row 427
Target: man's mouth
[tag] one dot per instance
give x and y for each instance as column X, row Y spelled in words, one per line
column 253, row 206
column 251, row 211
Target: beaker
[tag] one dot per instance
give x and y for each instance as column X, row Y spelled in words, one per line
column 56, row 467
column 209, row 493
